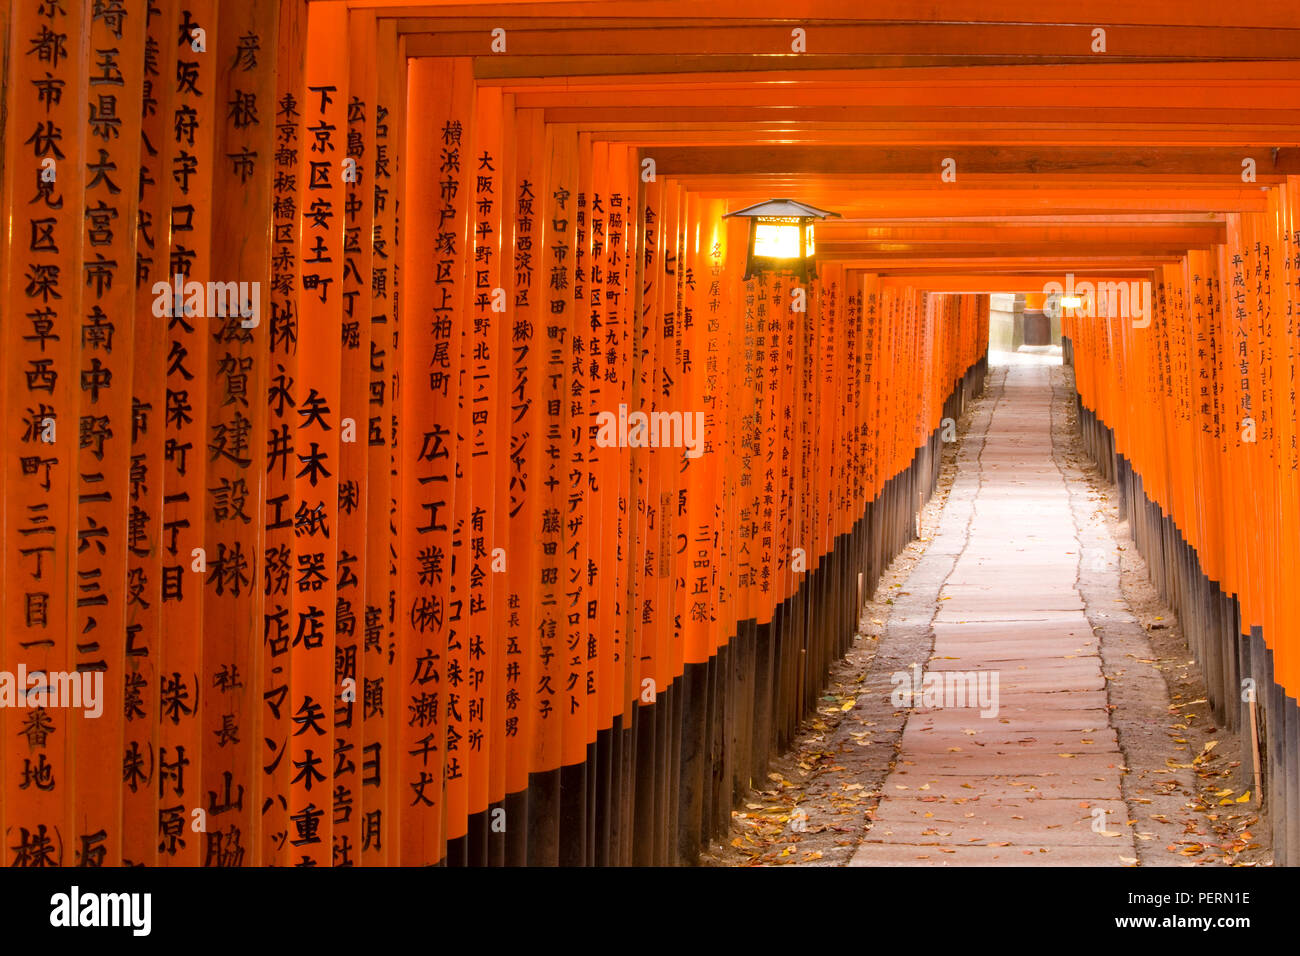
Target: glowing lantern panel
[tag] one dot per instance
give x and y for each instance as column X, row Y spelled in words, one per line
column 777, row 239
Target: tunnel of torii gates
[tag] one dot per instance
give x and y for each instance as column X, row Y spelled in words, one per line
column 365, row 572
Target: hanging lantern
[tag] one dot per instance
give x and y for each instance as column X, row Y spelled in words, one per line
column 781, row 237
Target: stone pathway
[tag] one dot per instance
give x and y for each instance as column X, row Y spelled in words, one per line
column 1028, row 771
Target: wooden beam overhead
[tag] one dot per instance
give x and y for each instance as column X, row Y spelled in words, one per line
column 942, row 284
column 1082, row 118
column 1048, row 264
column 513, row 68
column 1060, row 250
column 1014, row 233
column 669, row 134
column 1029, row 160
column 1009, row 202
column 1118, row 102
column 877, row 39
column 1261, row 13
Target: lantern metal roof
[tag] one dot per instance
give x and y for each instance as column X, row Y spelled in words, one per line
column 782, row 208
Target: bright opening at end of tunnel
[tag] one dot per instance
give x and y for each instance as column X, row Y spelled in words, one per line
column 433, row 438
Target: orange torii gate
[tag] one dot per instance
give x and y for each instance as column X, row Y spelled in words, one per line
column 1192, row 410
column 442, row 493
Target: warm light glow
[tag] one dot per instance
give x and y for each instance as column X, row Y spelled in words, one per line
column 776, row 240
column 808, row 240
column 1071, row 302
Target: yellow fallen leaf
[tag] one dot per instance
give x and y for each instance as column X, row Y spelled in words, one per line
column 1244, row 798
column 848, row 704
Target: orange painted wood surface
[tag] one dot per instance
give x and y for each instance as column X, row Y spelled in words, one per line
column 513, row 473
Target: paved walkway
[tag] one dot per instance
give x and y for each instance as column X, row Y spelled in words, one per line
column 1037, row 782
